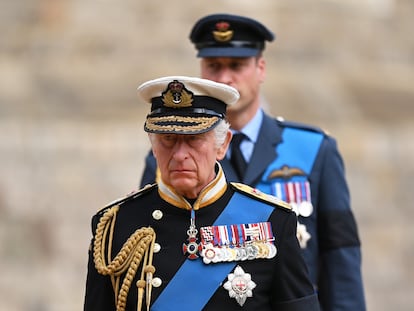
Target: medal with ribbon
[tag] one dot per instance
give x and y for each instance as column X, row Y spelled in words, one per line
column 237, row 242
column 192, row 248
column 297, row 194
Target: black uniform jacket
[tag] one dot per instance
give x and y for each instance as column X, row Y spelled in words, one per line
column 282, row 283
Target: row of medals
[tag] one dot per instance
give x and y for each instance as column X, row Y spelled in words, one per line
column 249, row 251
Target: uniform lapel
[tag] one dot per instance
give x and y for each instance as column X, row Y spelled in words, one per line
column 229, row 170
column 264, row 151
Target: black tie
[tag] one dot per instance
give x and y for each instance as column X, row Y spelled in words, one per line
column 237, row 159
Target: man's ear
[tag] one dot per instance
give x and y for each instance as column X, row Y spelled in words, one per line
column 221, row 152
column 261, row 67
column 151, row 139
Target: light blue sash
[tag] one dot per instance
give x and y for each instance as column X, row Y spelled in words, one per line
column 195, row 282
column 298, row 149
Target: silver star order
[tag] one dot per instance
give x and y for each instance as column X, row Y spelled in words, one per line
column 240, row 285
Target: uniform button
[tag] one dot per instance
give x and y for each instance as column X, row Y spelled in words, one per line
column 157, row 247
column 156, row 282
column 157, row 214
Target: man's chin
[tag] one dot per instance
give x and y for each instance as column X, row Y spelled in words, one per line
column 182, row 182
column 234, row 110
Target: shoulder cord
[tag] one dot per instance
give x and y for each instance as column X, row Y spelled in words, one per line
column 140, row 244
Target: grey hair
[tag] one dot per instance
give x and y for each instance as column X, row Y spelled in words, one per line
column 220, row 131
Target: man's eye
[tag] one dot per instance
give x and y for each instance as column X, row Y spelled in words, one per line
column 168, row 139
column 235, row 66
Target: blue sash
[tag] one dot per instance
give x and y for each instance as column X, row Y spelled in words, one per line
column 298, row 149
column 195, row 282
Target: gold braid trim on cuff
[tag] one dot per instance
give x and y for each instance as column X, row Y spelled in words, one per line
column 138, row 246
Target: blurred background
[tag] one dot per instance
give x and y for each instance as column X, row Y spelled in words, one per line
column 71, row 124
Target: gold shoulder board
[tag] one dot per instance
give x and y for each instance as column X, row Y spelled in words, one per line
column 255, row 193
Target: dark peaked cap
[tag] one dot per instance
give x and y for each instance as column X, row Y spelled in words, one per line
column 226, row 35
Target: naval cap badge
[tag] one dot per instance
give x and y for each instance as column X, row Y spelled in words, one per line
column 177, row 96
column 240, row 285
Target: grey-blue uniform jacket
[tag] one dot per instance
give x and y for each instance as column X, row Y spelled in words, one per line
column 282, row 283
column 332, row 253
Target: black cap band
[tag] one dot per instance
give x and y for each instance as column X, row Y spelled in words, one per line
column 230, row 44
column 218, row 108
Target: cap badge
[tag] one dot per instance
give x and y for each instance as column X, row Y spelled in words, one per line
column 222, row 32
column 177, row 96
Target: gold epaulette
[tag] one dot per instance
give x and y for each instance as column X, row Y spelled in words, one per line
column 129, row 196
column 255, row 193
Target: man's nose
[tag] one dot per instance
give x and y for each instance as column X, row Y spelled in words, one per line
column 180, row 150
column 225, row 76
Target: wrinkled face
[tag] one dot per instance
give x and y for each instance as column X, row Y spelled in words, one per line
column 187, row 162
column 244, row 74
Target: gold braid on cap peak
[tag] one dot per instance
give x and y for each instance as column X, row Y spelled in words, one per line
column 199, row 123
column 140, row 245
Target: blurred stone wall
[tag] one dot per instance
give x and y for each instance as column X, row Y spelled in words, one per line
column 71, row 135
